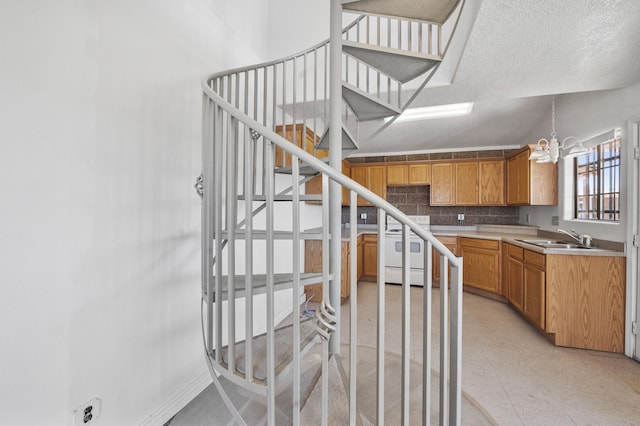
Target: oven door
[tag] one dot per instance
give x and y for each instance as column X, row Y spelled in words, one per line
column 393, row 252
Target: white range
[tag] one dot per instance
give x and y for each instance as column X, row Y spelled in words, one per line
column 393, row 251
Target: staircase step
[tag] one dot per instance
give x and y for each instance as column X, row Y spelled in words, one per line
column 304, row 169
column 261, row 234
column 283, row 350
column 280, row 282
column 338, row 399
column 365, row 106
column 402, row 65
column 348, row 141
column 425, row 10
column 303, row 197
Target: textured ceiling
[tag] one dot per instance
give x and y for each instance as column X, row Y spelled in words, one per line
column 519, row 52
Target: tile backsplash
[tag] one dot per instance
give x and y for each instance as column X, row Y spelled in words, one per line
column 415, row 200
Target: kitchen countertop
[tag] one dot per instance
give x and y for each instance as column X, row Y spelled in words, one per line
column 507, row 233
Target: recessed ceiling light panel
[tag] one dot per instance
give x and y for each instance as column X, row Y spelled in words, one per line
column 437, row 111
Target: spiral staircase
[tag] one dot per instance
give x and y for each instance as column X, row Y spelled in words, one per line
column 269, row 130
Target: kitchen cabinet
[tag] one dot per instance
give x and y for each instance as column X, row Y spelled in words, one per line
column 313, row 263
column 482, row 263
column 314, row 186
column 360, row 252
column 577, row 301
column 529, row 182
column 452, row 244
column 408, row 174
column 397, row 175
column 534, row 288
column 466, row 184
column 442, row 184
column 304, row 138
column 372, row 177
column 491, row 183
column 585, row 301
column 515, row 276
column 370, row 255
column 419, row 174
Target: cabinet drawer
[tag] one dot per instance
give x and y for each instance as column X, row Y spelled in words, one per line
column 481, row 244
column 516, row 252
column 533, row 258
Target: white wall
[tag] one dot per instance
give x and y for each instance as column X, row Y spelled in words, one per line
column 99, row 252
column 296, row 25
column 584, row 115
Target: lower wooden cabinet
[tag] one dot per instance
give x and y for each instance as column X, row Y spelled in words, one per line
column 452, row 244
column 370, row 255
column 313, row 263
column 482, row 265
column 515, row 276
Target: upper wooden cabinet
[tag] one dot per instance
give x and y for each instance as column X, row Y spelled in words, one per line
column 466, row 186
column 303, row 137
column 529, row 182
column 442, row 184
column 468, row 183
column 372, row 177
column 491, row 187
column 408, row 174
column 398, row 175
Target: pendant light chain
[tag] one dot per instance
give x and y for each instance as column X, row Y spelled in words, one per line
column 553, row 117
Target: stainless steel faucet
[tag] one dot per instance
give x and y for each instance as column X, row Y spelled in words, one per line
column 582, row 239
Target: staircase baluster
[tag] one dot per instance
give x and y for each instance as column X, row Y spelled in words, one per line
column 295, row 177
column 325, row 298
column 353, row 308
column 271, row 376
column 381, row 311
column 426, row 332
column 249, row 149
column 232, row 219
column 455, row 355
column 440, row 40
column 444, row 341
column 217, row 205
column 406, row 326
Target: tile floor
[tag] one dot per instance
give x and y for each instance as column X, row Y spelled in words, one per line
column 513, row 374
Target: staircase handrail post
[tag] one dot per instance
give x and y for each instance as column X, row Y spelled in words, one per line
column 335, row 161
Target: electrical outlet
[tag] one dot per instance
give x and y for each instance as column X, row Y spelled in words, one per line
column 460, row 216
column 554, row 220
column 363, row 216
column 87, row 413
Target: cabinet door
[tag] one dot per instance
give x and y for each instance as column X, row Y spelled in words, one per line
column 314, row 186
column 466, row 186
column 359, row 174
column 516, row 286
column 441, row 192
column 534, row 295
column 452, row 244
column 397, row 175
column 491, row 183
column 345, row 286
column 377, row 180
column 370, row 255
column 518, row 179
column 481, row 263
column 419, row 174
column 360, row 262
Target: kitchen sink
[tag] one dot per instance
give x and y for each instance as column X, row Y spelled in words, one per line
column 554, row 244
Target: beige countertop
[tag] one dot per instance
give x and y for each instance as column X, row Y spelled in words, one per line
column 508, row 234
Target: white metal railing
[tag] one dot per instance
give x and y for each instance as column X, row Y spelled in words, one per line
column 228, row 138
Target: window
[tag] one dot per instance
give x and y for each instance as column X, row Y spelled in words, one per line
column 597, row 180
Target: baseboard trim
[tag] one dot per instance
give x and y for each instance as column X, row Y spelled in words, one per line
column 176, row 403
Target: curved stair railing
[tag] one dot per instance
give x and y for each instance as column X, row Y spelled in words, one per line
column 247, row 154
